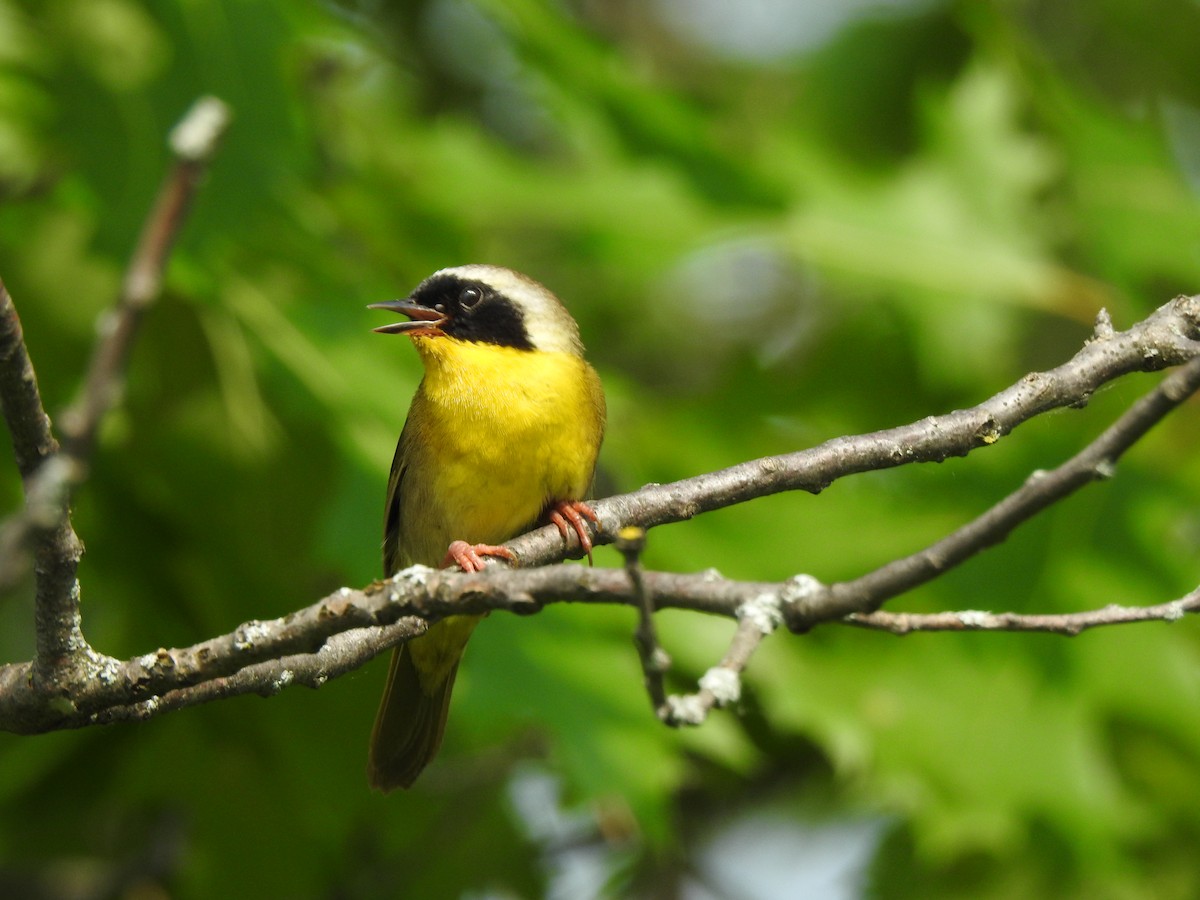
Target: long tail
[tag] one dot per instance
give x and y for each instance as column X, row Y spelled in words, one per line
column 408, row 727
column 412, row 714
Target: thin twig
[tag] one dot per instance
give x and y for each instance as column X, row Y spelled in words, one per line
column 722, row 684
column 42, row 475
column 28, row 425
column 34, row 446
column 1096, row 461
column 50, row 474
column 631, row 541
column 194, row 141
column 341, row 653
column 1068, row 624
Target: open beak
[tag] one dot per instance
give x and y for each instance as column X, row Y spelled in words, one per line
column 425, row 320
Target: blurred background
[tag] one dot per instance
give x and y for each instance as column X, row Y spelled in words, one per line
column 776, row 222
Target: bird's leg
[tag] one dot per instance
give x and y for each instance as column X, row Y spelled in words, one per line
column 469, row 557
column 567, row 516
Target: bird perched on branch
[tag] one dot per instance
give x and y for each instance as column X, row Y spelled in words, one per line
column 502, row 434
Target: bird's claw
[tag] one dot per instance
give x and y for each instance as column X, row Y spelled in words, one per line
column 568, row 516
column 469, row 557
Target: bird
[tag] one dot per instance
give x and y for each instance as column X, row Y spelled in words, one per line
column 502, row 434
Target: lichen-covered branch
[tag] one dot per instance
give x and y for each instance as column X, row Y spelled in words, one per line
column 194, row 142
column 631, row 541
column 70, row 685
column 1042, row 489
column 21, row 401
column 1068, row 624
column 50, row 471
column 346, row 629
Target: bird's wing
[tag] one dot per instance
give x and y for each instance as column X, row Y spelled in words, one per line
column 391, row 523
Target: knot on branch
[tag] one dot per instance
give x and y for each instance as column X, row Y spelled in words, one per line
column 248, row 634
column 797, row 599
column 153, row 665
column 195, row 138
column 724, row 684
column 409, row 587
column 1188, row 308
column 522, row 603
column 989, row 432
column 764, row 612
column 1103, row 329
column 689, row 709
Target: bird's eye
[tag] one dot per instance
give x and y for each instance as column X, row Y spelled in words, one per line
column 469, row 297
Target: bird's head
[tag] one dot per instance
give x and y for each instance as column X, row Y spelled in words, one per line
column 485, row 304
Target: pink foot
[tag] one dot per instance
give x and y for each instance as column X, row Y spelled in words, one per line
column 569, row 515
column 469, row 557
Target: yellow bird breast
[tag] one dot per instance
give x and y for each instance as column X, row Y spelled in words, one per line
column 500, row 434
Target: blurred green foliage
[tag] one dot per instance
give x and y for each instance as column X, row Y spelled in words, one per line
column 766, row 245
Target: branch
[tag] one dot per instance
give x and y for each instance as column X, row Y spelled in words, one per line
column 1068, row 624
column 722, row 684
column 1168, row 337
column 1042, row 489
column 719, row 686
column 20, row 399
column 50, row 472
column 631, row 541
column 42, row 476
column 194, row 142
column 263, row 656
column 340, row 653
column 344, row 630
column 316, row 644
